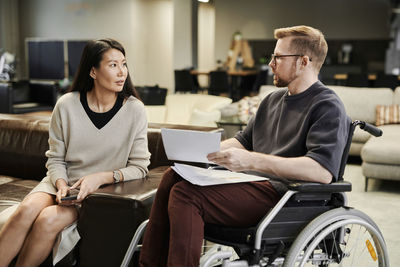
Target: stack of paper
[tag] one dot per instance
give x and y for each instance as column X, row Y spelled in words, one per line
column 194, row 146
column 203, row 177
column 188, row 145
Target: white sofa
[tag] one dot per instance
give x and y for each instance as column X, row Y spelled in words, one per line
column 188, row 109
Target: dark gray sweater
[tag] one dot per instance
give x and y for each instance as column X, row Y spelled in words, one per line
column 313, row 124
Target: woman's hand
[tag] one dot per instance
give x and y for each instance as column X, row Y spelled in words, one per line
column 90, row 183
column 62, row 189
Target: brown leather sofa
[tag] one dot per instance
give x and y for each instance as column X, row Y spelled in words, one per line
column 109, row 217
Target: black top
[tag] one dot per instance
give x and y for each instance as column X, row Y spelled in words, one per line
column 101, row 119
column 313, row 124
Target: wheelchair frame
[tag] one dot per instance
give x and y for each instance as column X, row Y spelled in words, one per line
column 309, row 220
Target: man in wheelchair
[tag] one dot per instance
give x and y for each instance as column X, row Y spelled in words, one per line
column 298, row 134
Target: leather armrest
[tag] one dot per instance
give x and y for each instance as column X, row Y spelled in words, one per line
column 342, row 186
column 109, row 218
column 140, row 189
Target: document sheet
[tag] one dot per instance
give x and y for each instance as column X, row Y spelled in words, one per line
column 204, row 177
column 191, row 146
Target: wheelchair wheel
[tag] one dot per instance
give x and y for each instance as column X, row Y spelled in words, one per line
column 339, row 237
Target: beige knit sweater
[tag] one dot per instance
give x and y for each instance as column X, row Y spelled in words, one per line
column 77, row 148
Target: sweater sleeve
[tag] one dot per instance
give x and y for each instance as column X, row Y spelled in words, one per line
column 328, row 135
column 139, row 156
column 56, row 165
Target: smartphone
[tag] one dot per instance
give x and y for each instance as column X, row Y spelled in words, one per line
column 72, row 195
column 69, row 197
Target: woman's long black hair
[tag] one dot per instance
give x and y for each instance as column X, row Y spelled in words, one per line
column 91, row 56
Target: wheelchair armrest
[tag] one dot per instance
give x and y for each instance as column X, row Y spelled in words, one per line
column 341, row 186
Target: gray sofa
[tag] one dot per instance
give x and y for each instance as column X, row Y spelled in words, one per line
column 380, row 156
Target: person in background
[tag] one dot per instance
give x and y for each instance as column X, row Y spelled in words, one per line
column 298, row 133
column 97, row 136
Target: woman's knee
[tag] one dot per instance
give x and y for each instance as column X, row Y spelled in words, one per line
column 27, row 211
column 54, row 218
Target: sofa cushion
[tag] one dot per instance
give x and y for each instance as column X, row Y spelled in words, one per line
column 180, row 107
column 387, row 114
column 15, row 189
column 360, row 136
column 211, row 102
column 384, row 149
column 381, row 171
column 396, row 97
column 156, row 114
column 360, row 103
column 23, row 143
column 204, row 118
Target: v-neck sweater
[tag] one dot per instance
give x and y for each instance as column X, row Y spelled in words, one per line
column 100, row 119
column 77, row 148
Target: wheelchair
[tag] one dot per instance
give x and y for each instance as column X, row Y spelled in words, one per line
column 311, row 225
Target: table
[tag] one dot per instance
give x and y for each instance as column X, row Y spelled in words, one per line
column 231, row 125
column 343, row 76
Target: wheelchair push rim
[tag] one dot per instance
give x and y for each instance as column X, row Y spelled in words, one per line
column 339, row 238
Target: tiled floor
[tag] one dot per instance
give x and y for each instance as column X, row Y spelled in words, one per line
column 381, row 203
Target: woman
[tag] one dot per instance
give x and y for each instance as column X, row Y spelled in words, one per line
column 97, row 136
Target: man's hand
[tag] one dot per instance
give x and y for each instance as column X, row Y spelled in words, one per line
column 234, row 159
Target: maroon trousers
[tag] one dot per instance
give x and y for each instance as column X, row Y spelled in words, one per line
column 174, row 234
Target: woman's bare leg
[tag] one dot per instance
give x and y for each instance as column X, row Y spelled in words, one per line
column 40, row 240
column 15, row 230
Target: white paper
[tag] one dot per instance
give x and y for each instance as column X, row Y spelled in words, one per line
column 191, row 146
column 204, row 177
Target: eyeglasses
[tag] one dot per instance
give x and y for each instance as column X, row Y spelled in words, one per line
column 274, row 57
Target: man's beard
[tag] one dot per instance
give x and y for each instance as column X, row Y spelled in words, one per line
column 280, row 83
column 285, row 83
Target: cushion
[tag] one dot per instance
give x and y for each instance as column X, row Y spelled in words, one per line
column 387, row 114
column 248, row 107
column 156, row 114
column 384, row 149
column 360, row 135
column 180, row 106
column 360, row 103
column 204, row 118
column 396, row 97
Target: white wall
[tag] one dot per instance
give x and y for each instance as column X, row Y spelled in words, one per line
column 144, row 27
column 338, row 19
column 182, row 34
column 9, row 26
column 206, row 40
